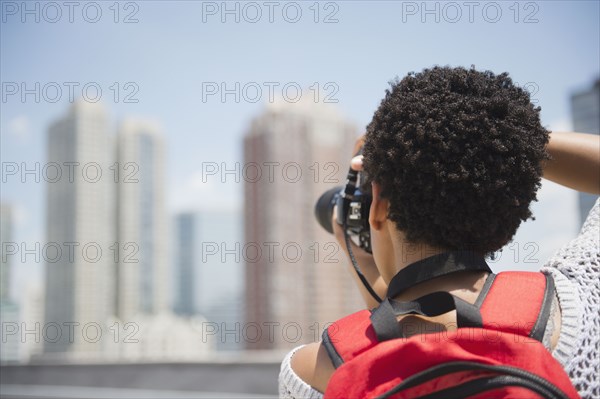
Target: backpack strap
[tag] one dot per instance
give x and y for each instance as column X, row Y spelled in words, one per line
column 518, row 303
column 513, row 302
column 349, row 337
column 386, row 325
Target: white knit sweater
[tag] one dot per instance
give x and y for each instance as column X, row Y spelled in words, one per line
column 576, row 272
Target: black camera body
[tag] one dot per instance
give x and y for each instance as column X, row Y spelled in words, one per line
column 353, row 205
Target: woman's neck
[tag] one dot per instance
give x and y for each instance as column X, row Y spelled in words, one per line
column 406, row 252
column 468, row 282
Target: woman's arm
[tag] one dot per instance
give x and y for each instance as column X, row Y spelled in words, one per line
column 575, row 161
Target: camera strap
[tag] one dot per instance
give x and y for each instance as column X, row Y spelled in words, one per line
column 436, row 266
column 361, row 276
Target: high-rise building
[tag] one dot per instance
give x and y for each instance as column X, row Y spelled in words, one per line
column 32, row 319
column 5, row 238
column 226, row 317
column 142, row 275
column 186, row 237
column 220, row 275
column 10, row 335
column 79, row 213
column 585, row 109
column 220, row 267
column 9, row 311
column 209, row 272
column 296, row 278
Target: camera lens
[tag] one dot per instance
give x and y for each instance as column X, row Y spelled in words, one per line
column 324, row 207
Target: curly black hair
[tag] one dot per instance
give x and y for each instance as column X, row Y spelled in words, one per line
column 458, row 153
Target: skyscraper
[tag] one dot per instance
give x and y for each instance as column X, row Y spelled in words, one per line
column 79, row 220
column 142, row 278
column 6, row 237
column 296, row 279
column 186, row 242
column 10, row 335
column 9, row 311
column 220, row 274
column 585, row 108
column 31, row 314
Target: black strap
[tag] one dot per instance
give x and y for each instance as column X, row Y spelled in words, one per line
column 333, row 354
column 519, row 376
column 384, row 322
column 361, row 276
column 386, row 325
column 436, row 266
column 539, row 328
column 486, row 384
column 485, row 290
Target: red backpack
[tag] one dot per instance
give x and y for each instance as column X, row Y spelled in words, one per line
column 496, row 351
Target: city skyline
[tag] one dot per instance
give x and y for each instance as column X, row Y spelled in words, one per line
column 106, row 196
column 106, row 261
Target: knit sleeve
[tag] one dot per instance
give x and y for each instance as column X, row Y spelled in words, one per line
column 290, row 384
column 575, row 269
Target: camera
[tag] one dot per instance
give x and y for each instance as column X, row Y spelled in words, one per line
column 353, row 203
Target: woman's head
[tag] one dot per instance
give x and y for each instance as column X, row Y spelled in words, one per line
column 457, row 153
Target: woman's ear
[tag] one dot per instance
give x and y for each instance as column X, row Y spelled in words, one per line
column 379, row 208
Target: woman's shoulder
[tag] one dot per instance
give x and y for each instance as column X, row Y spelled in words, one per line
column 305, row 372
column 579, row 260
column 575, row 269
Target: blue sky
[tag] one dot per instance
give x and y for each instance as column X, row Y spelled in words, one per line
column 175, row 46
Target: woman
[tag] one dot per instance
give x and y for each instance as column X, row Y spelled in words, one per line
column 454, row 158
